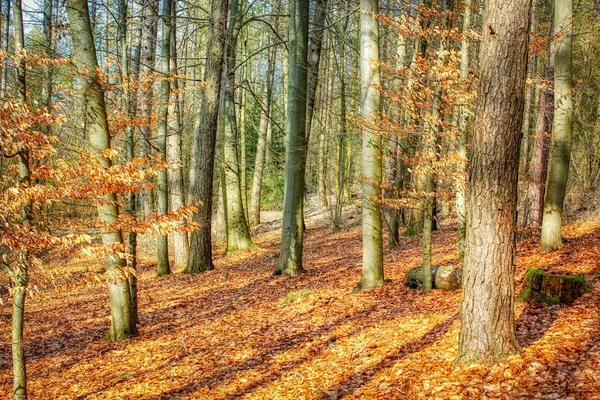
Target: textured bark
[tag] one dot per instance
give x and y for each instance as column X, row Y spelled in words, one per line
column 238, row 234
column 203, row 148
column 174, row 157
column 4, row 34
column 263, row 128
column 147, row 62
column 164, row 267
column 19, row 276
column 370, row 79
column 290, row 259
column 128, row 95
column 487, row 308
column 531, row 66
column 84, row 55
column 560, row 155
column 463, row 115
column 538, row 167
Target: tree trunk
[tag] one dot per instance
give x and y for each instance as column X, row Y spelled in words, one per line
column 122, row 318
column 487, row 308
column 174, row 155
column 164, row 267
column 524, row 159
column 560, row 155
column 203, row 148
column 238, row 234
column 48, row 50
column 460, row 182
column 538, row 168
column 290, row 259
column 147, row 62
column 370, row 79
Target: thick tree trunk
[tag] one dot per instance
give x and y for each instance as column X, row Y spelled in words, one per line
column 174, row 156
column 487, row 308
column 538, row 168
column 290, row 259
column 122, row 317
column 560, row 156
column 164, row 267
column 203, row 149
column 238, row 234
column 370, row 79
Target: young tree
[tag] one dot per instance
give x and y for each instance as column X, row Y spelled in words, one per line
column 487, row 308
column 164, row 268
column 202, row 160
column 84, row 55
column 370, row 80
column 560, row 156
column 290, row 259
column 238, row 235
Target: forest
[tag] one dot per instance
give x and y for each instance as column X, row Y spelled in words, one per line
column 300, row 199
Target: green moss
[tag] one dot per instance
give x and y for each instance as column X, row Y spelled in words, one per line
column 294, row 296
column 411, row 232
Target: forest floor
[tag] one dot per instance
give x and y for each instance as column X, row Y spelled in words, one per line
column 238, row 332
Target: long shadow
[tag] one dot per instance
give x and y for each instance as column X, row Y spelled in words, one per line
column 263, row 359
column 355, row 381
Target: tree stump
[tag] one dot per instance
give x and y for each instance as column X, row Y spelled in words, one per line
column 445, row 277
column 544, row 287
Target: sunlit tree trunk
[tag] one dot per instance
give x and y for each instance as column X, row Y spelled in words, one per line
column 487, row 308
column 560, row 154
column 84, row 55
column 290, row 258
column 204, row 143
column 164, row 267
column 538, row 167
column 19, row 274
column 463, row 116
column 238, row 234
column 370, row 79
column 174, row 155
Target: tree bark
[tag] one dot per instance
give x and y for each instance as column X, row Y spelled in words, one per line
column 238, row 234
column 203, row 148
column 164, row 267
column 538, row 168
column 174, row 155
column 370, row 80
column 290, row 259
column 84, row 55
column 487, row 308
column 560, row 155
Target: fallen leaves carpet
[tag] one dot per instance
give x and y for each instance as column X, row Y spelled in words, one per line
column 238, row 332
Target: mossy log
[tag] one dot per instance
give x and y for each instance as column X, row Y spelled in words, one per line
column 445, row 277
column 544, row 287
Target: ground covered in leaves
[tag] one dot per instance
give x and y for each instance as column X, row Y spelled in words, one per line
column 239, row 332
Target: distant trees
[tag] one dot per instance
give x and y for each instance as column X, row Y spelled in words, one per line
column 487, row 307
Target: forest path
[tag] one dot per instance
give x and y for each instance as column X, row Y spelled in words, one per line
column 239, row 332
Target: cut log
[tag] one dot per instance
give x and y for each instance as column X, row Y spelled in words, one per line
column 544, row 287
column 445, row 277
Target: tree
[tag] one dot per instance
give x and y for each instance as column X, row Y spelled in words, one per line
column 370, row 80
column 202, row 161
column 238, row 235
column 487, row 307
column 560, row 155
column 292, row 236
column 164, row 268
column 84, row 55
